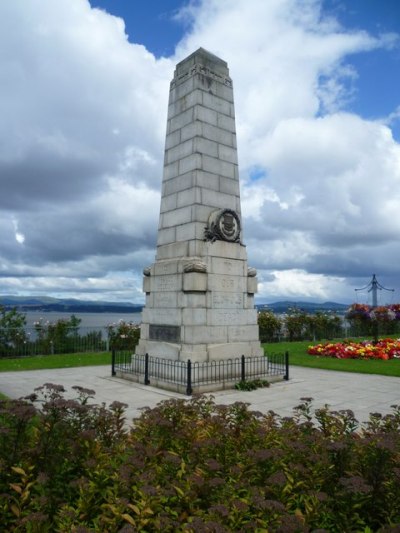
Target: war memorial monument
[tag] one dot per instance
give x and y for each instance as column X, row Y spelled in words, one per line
column 200, row 289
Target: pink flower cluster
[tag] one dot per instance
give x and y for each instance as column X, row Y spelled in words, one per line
column 381, row 313
column 384, row 349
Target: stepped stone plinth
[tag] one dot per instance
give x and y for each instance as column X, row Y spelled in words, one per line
column 200, row 291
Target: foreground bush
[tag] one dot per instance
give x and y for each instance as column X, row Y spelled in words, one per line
column 194, row 466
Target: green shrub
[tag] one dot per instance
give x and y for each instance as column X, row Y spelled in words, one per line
column 194, row 466
column 123, row 335
column 269, row 325
column 12, row 330
column 251, row 385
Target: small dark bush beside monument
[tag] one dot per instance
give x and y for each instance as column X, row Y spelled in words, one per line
column 194, row 466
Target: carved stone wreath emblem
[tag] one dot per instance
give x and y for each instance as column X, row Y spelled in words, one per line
column 223, row 225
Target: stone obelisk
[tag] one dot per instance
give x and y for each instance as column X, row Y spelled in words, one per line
column 200, row 291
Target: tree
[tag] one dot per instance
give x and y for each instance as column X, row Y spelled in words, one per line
column 297, row 324
column 324, row 326
column 124, row 335
column 269, row 326
column 58, row 337
column 12, row 330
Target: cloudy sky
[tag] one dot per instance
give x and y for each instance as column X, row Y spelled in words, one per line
column 83, row 103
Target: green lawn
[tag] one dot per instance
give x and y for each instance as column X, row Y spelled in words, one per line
column 298, row 356
column 55, row 361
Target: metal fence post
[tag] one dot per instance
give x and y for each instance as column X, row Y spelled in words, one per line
column 146, row 369
column 286, row 376
column 243, row 368
column 189, row 378
column 113, row 363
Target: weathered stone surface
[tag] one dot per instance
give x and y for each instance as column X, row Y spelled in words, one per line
column 165, row 299
column 199, row 293
column 252, row 285
column 194, row 282
column 146, row 285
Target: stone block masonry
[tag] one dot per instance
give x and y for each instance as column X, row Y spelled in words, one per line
column 199, row 291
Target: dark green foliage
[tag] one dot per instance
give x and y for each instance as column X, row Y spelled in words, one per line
column 298, row 325
column 194, row 466
column 57, row 337
column 12, row 330
column 60, row 337
column 269, row 326
column 251, row 385
column 124, row 335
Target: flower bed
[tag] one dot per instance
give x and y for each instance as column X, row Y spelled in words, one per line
column 384, row 349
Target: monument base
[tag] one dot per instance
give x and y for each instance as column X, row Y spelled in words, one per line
column 199, row 353
column 187, row 377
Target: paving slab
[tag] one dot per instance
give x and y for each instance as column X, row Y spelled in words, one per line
column 362, row 393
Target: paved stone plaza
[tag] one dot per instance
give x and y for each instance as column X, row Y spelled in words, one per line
column 363, row 393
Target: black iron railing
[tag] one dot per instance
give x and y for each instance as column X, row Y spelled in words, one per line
column 191, row 374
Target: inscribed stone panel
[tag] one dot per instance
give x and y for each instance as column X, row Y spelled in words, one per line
column 164, row 333
column 192, row 299
column 242, row 333
column 222, row 283
column 222, row 317
column 162, row 316
column 227, row 300
column 194, row 282
column 235, row 267
column 166, row 267
column 171, row 282
column 204, row 334
column 194, row 317
column 165, row 299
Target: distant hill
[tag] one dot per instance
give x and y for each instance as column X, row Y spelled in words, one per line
column 308, row 307
column 69, row 305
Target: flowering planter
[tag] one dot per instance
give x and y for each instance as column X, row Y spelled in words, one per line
column 384, row 349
